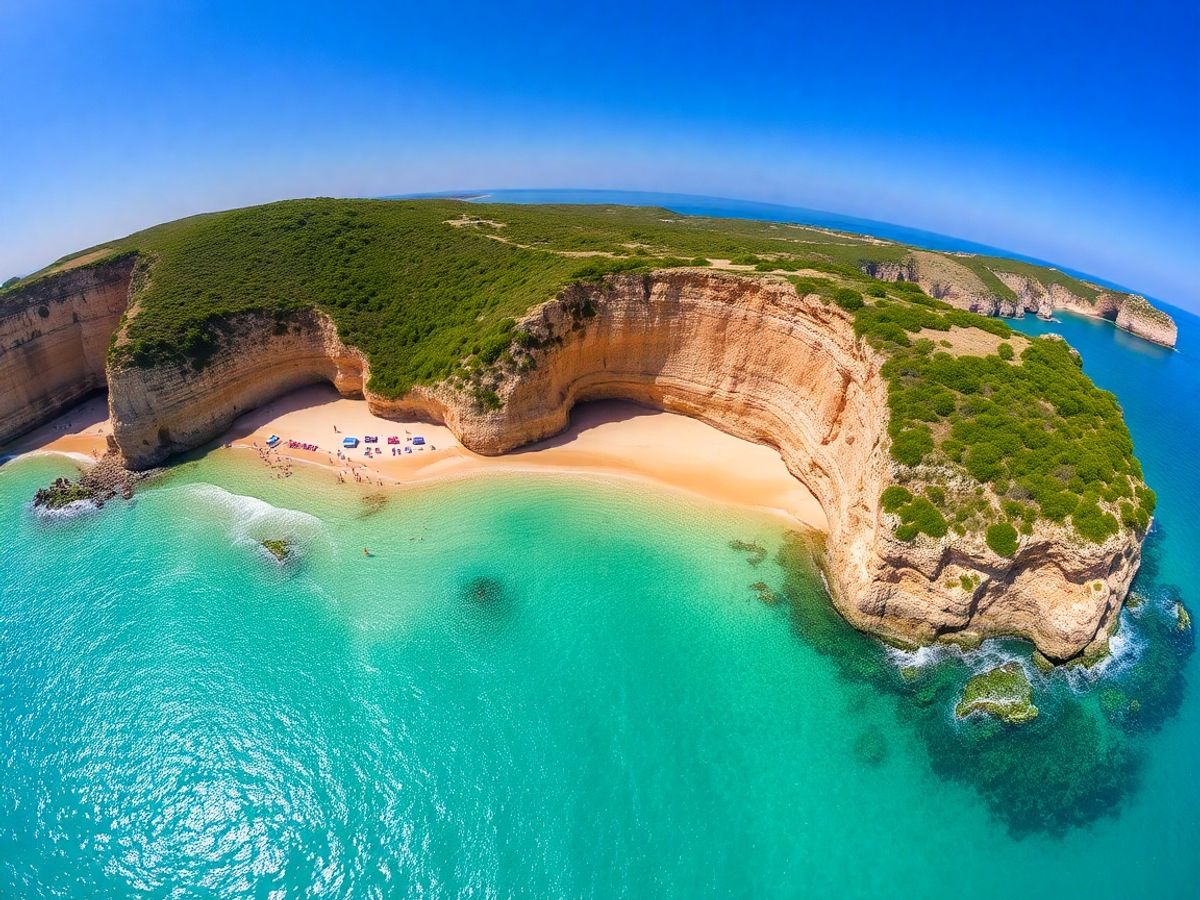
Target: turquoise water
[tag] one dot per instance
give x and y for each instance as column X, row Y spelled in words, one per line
column 551, row 687
column 536, row 687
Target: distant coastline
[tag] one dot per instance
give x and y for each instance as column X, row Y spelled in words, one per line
column 726, row 207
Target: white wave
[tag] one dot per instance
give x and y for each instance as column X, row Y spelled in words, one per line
column 988, row 655
column 1125, row 648
column 249, row 520
column 69, row 454
column 72, row 510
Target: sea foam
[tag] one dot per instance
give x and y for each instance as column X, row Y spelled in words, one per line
column 249, row 521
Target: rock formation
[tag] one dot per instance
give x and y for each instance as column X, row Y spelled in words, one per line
column 940, row 276
column 745, row 354
column 54, row 335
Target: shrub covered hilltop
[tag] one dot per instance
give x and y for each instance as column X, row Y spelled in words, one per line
column 991, row 431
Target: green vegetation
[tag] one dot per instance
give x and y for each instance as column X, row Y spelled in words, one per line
column 61, row 493
column 1003, row 692
column 848, row 299
column 1046, row 440
column 431, row 290
column 1002, row 538
column 277, row 548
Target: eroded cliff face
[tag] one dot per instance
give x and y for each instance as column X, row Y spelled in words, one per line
column 943, row 278
column 54, row 335
column 745, row 354
column 158, row 412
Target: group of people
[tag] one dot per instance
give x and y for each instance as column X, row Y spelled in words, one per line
column 280, row 465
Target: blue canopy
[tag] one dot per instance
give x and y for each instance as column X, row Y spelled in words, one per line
column 350, row 442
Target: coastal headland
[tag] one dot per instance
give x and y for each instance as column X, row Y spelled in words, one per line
column 972, row 481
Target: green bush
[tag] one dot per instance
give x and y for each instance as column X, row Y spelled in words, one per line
column 1092, row 522
column 919, row 516
column 848, row 299
column 1002, row 538
column 911, row 445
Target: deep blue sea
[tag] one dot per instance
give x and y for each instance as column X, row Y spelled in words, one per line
column 543, row 686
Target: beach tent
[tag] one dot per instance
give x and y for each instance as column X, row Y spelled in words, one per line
column 418, row 440
column 350, row 442
column 273, row 440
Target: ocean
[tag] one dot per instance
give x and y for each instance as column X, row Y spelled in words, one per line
column 569, row 687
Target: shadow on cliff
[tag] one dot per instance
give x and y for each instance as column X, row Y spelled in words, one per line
column 306, row 398
column 89, row 414
column 586, row 416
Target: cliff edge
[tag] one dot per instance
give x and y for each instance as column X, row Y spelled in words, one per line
column 975, row 481
column 750, row 356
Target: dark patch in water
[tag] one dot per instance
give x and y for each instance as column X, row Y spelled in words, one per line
column 373, row 504
column 1073, row 765
column 485, row 591
column 487, row 603
column 755, row 552
column 871, row 747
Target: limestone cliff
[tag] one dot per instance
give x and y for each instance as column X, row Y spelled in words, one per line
column 749, row 356
column 939, row 275
column 158, row 412
column 54, row 335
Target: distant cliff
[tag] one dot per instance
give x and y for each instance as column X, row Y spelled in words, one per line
column 948, row 277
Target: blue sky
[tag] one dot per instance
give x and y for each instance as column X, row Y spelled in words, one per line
column 1066, row 131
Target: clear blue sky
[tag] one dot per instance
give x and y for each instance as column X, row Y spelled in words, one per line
column 1067, row 131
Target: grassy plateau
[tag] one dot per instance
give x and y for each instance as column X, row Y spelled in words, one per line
column 989, row 439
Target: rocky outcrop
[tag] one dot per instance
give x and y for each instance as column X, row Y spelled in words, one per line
column 1138, row 317
column 158, row 412
column 1130, row 312
column 54, row 335
column 943, row 278
column 905, row 270
column 745, row 354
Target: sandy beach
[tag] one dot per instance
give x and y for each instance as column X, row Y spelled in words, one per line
column 608, row 439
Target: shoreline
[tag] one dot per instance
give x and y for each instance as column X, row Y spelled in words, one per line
column 605, row 440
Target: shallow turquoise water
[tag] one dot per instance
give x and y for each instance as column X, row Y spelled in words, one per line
column 548, row 687
column 532, row 687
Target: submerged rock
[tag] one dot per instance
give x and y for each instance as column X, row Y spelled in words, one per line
column 485, row 591
column 1003, row 692
column 765, row 594
column 281, row 550
column 871, row 747
column 755, row 551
